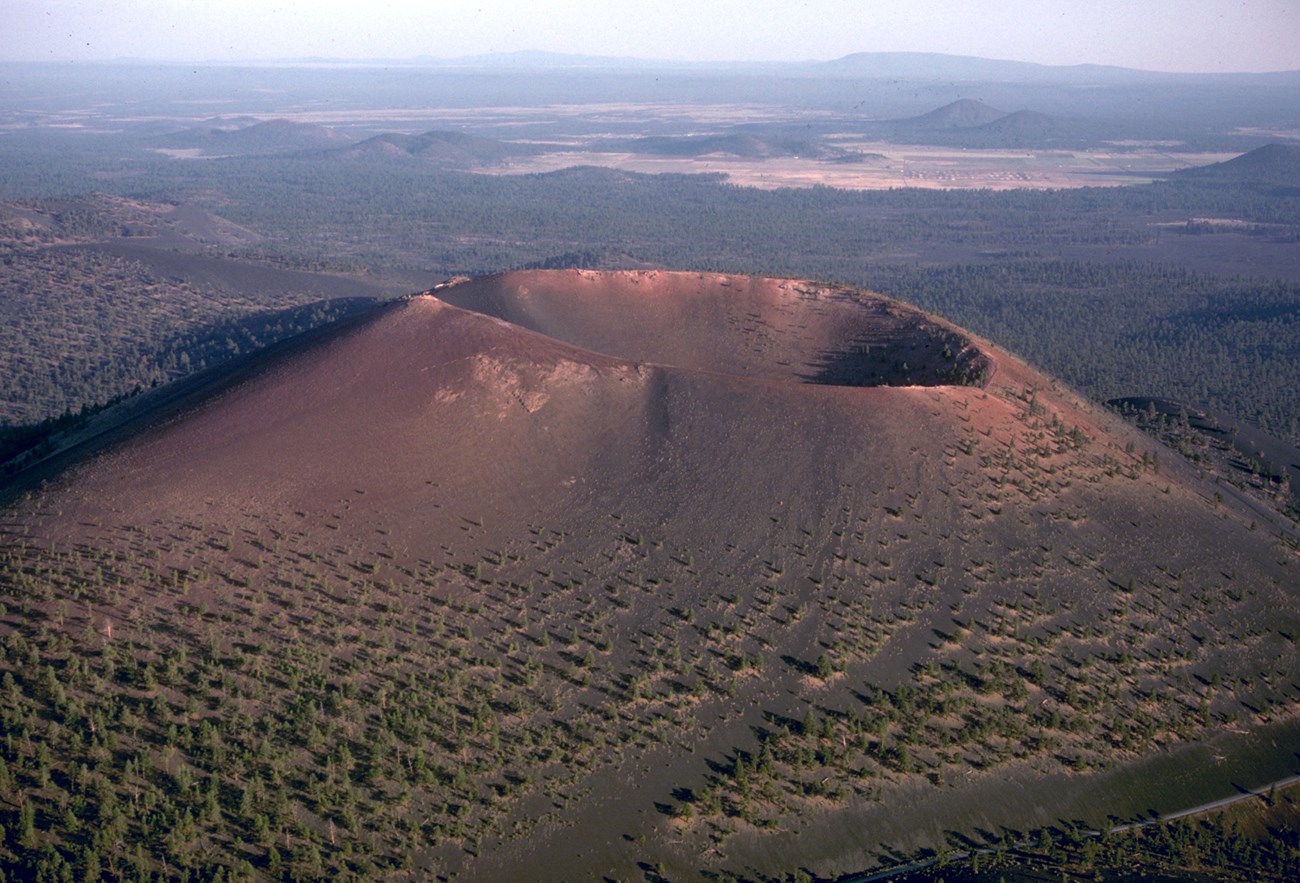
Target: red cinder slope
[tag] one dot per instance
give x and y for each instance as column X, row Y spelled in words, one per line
column 560, row 575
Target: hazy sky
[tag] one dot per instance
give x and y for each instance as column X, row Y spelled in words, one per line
column 1182, row 35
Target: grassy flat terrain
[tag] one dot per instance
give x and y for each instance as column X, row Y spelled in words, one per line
column 891, row 165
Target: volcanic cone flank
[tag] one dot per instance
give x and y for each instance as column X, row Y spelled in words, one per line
column 560, row 575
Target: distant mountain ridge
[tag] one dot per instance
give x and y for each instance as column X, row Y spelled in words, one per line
column 931, row 65
column 908, row 65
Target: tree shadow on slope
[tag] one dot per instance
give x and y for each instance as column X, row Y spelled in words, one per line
column 194, row 357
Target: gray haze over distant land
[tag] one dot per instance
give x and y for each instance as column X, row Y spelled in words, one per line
column 1164, row 35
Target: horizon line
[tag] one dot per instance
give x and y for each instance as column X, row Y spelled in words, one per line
column 538, row 57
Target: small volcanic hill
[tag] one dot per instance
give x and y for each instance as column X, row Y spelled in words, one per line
column 970, row 123
column 1276, row 165
column 1022, row 122
column 439, row 147
column 961, row 114
column 266, row 137
column 566, row 575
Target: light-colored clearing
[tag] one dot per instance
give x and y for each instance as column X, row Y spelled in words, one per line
column 933, row 168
